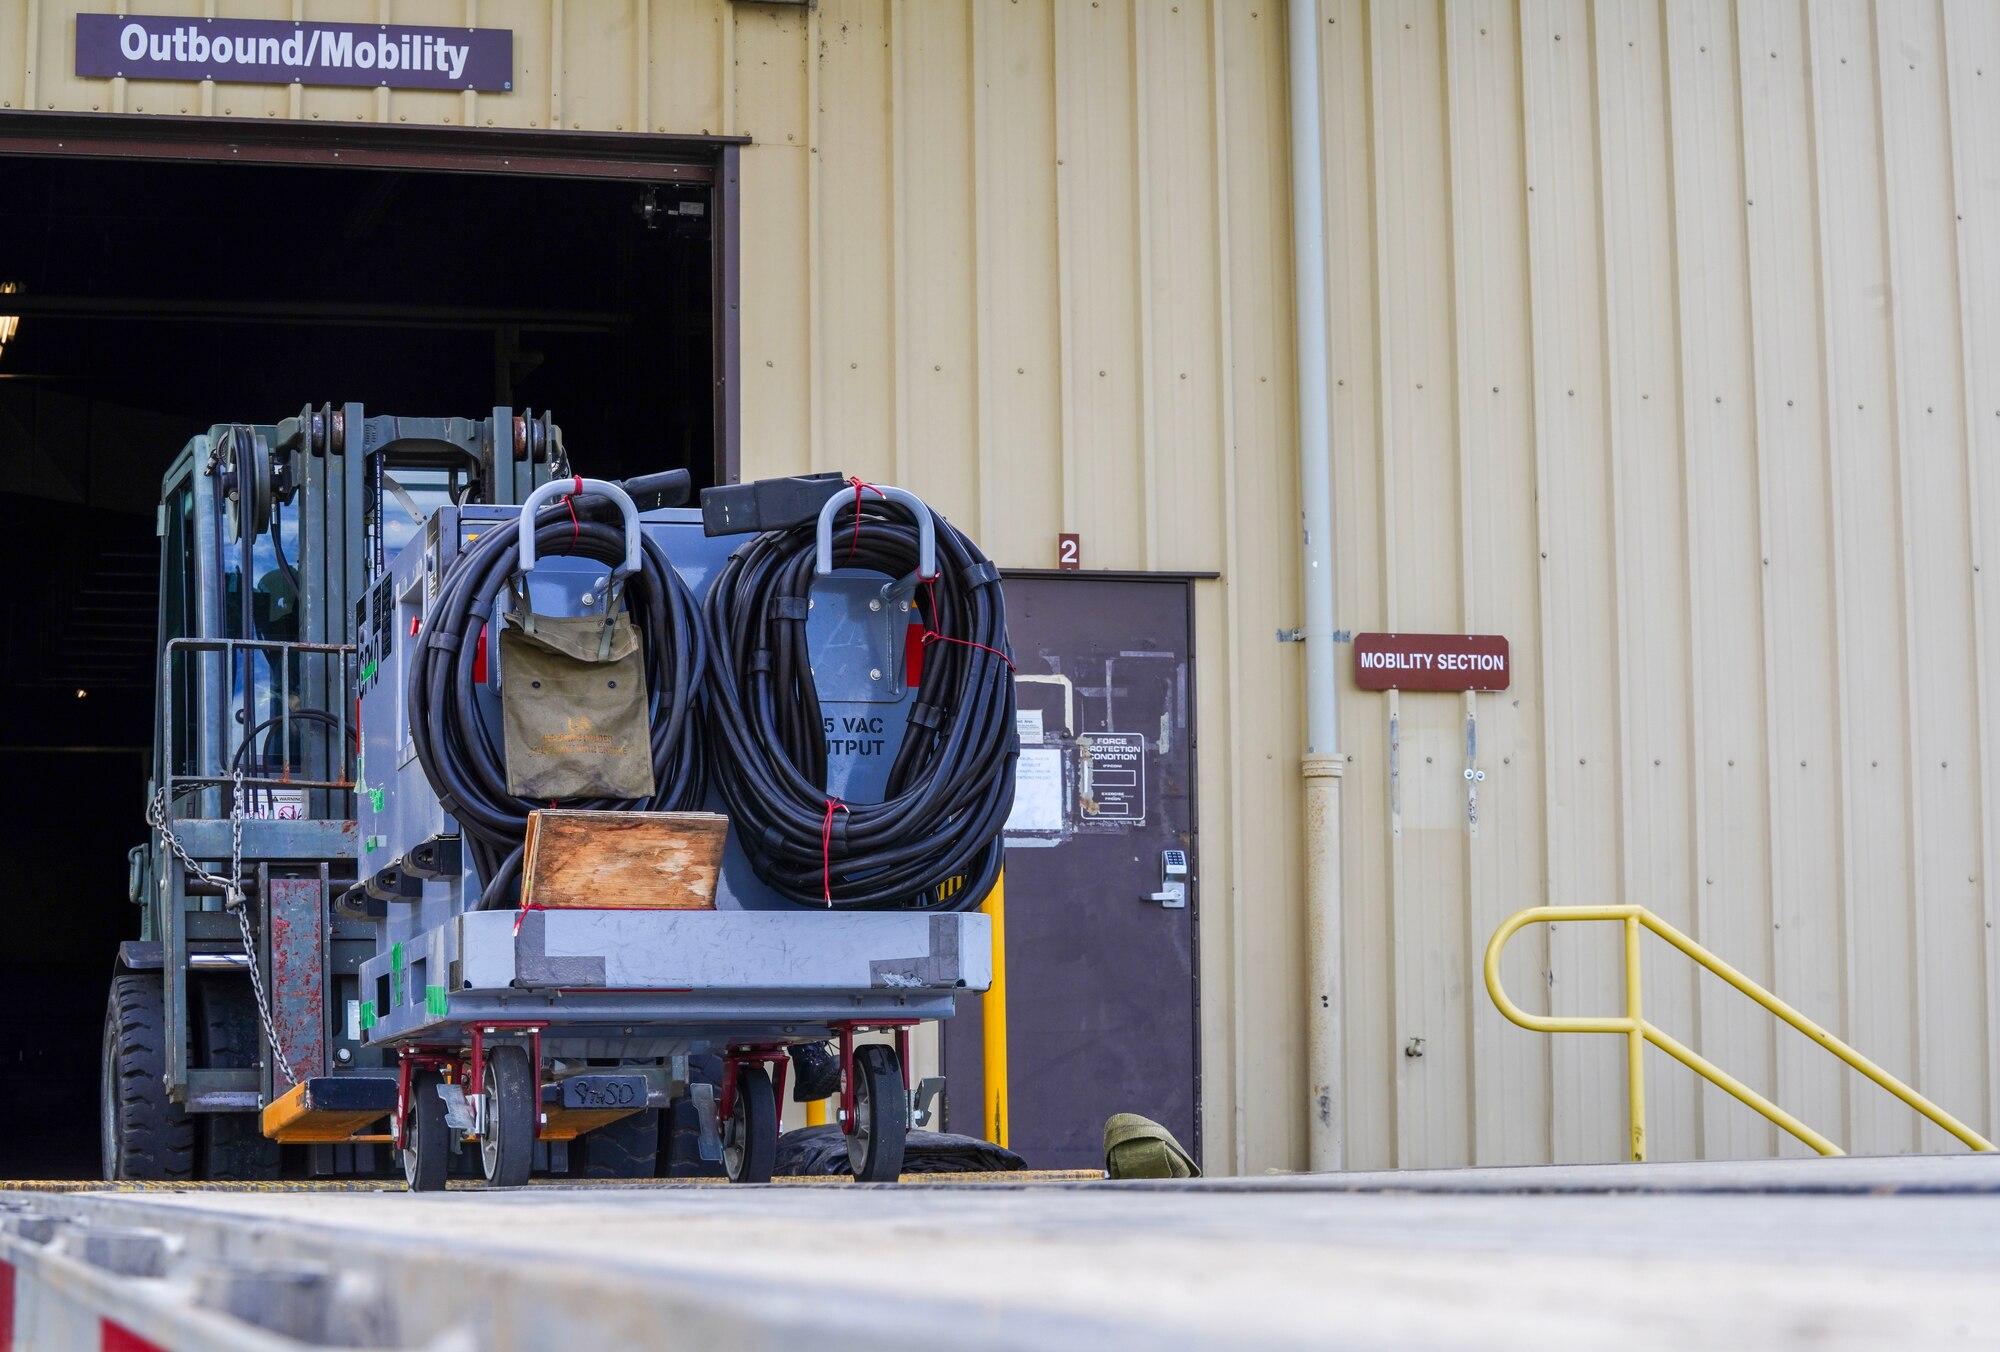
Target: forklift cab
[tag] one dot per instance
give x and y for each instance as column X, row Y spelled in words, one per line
column 268, row 535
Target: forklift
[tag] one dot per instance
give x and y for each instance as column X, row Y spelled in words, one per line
column 376, row 936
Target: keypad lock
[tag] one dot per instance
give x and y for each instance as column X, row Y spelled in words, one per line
column 1172, row 895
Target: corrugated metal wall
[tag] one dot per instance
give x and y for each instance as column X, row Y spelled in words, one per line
column 1666, row 342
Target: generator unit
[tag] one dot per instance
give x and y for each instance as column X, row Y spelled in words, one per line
column 494, row 808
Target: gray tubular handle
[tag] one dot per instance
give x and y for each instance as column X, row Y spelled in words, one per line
column 926, row 527
column 558, row 488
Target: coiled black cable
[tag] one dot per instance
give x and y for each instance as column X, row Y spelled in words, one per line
column 463, row 757
column 933, row 842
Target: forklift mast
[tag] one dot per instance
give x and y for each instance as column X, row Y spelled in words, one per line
column 269, row 536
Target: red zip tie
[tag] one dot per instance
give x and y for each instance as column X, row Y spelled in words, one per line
column 856, row 480
column 933, row 636
column 826, row 850
column 930, row 636
column 569, row 501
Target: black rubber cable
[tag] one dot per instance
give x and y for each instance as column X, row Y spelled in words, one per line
column 462, row 756
column 933, row 842
column 278, row 544
column 319, row 716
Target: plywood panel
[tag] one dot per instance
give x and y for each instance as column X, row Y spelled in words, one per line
column 622, row 860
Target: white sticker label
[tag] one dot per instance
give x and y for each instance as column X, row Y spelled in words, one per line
column 285, row 805
column 1028, row 726
column 1038, row 791
column 354, row 1021
column 1112, row 768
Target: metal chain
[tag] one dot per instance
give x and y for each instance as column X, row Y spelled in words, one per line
column 234, row 900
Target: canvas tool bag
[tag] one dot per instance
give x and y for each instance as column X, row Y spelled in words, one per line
column 1138, row 1147
column 573, row 697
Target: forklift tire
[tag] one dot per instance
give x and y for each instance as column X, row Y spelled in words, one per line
column 426, row 1139
column 228, row 1036
column 750, row 1136
column 507, row 1147
column 625, row 1148
column 680, row 1144
column 881, row 1116
column 144, row 1134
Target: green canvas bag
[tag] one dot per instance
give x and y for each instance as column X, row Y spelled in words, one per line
column 1138, row 1147
column 573, row 699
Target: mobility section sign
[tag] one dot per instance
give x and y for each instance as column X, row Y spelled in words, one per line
column 1432, row 662
column 283, row 51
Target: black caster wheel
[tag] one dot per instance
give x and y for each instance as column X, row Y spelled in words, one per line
column 426, row 1138
column 881, row 1116
column 507, row 1145
column 750, row 1136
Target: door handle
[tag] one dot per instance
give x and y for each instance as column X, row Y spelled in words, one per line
column 1172, row 895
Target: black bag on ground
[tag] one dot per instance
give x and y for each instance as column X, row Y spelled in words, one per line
column 815, row 1071
column 822, row 1151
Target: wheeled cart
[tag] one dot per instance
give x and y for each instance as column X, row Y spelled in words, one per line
column 493, row 813
column 514, row 1053
column 642, row 940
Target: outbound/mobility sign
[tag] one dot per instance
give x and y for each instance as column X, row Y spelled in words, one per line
column 1432, row 662
column 284, row 51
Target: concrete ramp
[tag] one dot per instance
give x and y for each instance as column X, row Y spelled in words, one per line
column 1790, row 1254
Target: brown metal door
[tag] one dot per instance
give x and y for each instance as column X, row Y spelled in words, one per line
column 1100, row 966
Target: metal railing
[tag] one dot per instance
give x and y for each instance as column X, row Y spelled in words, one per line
column 1638, row 1031
column 224, row 727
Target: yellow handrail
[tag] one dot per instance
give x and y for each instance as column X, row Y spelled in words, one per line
column 1638, row 1032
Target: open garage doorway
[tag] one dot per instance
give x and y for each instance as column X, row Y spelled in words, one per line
column 171, row 275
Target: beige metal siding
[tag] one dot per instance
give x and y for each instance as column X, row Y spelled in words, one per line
column 1665, row 341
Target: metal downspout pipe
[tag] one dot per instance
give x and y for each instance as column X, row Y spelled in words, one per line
column 1322, row 763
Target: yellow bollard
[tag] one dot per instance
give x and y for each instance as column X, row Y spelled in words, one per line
column 993, row 1006
column 816, row 1112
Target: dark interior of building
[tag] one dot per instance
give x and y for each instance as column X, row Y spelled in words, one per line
column 158, row 298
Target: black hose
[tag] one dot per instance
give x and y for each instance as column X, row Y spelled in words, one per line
column 278, row 543
column 319, row 716
column 463, row 757
column 952, row 782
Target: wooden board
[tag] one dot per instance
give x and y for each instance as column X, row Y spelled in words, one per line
column 329, row 1109
column 566, row 1124
column 649, row 861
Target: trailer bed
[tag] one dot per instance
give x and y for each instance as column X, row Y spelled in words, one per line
column 1809, row 1254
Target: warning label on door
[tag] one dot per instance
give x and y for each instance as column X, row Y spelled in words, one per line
column 1111, row 776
